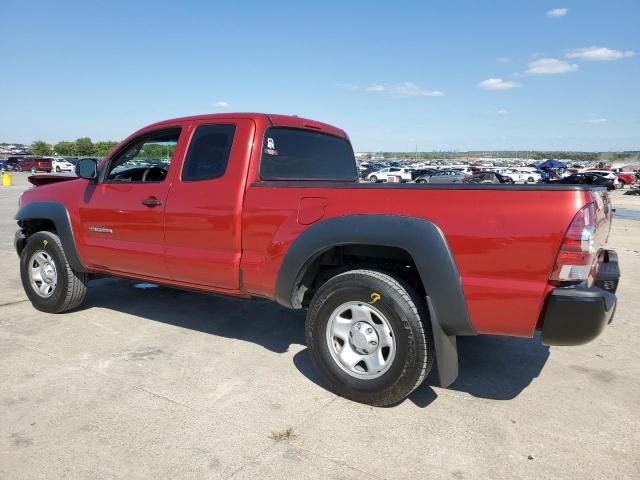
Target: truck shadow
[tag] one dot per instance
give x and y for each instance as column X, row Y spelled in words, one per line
column 496, row 367
column 491, row 367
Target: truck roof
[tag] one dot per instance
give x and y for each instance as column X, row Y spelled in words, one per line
column 277, row 120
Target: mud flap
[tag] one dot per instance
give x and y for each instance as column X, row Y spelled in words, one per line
column 446, row 351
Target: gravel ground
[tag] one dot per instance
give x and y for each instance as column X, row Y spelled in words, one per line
column 160, row 383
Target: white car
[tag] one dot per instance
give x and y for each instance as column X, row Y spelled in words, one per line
column 383, row 175
column 522, row 175
column 62, row 165
column 609, row 175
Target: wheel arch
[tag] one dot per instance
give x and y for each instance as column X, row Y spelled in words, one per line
column 421, row 239
column 40, row 216
column 427, row 247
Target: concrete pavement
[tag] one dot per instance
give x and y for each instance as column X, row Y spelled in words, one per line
column 161, row 383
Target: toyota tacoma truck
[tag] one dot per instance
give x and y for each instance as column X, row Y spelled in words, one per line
column 256, row 205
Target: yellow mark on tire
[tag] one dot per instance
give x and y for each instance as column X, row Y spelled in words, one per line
column 374, row 298
column 44, row 243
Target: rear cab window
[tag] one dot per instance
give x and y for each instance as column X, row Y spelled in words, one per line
column 208, row 154
column 298, row 154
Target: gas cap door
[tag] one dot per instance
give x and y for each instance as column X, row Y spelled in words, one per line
column 311, row 209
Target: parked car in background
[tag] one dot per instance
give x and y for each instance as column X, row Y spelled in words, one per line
column 383, row 175
column 626, row 178
column 443, row 176
column 35, row 164
column 11, row 163
column 487, row 177
column 584, row 178
column 608, row 175
column 29, row 164
column 524, row 175
column 421, row 172
column 60, row 164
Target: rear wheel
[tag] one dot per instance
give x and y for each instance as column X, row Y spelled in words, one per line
column 47, row 279
column 368, row 338
column 58, row 169
column 19, row 168
column 34, row 170
column 373, row 179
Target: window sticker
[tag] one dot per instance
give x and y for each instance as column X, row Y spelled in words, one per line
column 271, row 147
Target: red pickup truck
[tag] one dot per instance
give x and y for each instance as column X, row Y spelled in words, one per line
column 256, row 205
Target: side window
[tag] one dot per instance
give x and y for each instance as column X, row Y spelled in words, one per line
column 146, row 159
column 208, row 153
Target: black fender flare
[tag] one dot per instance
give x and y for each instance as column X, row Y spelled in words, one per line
column 428, row 247
column 422, row 239
column 59, row 216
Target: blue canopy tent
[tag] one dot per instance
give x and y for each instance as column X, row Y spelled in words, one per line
column 551, row 164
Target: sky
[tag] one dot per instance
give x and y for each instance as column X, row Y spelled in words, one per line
column 396, row 75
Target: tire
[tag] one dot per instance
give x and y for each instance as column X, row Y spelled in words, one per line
column 622, row 184
column 34, row 170
column 58, row 170
column 530, row 180
column 408, row 361
column 373, row 179
column 19, row 169
column 70, row 287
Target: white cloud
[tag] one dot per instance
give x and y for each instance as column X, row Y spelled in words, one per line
column 394, row 90
column 550, row 66
column 557, row 12
column 600, row 54
column 221, row 104
column 409, row 89
column 375, row 88
column 503, row 60
column 597, row 120
column 403, row 90
column 502, row 112
column 498, row 84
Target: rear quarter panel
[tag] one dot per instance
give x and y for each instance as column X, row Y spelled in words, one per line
column 504, row 241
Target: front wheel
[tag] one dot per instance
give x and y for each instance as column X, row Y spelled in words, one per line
column 47, row 279
column 34, row 170
column 367, row 337
column 58, row 169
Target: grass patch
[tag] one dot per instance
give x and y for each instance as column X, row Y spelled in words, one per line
column 283, row 435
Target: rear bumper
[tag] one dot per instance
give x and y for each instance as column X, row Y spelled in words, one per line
column 576, row 315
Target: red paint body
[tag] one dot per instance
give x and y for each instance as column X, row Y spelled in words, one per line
column 504, row 241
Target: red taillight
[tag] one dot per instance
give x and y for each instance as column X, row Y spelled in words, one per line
column 578, row 253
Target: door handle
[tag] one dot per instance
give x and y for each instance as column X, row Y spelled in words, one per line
column 151, row 202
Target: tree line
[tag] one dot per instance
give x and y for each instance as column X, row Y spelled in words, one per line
column 82, row 147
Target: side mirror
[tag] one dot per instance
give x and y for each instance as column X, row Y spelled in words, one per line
column 87, row 168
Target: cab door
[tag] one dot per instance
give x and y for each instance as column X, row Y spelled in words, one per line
column 122, row 216
column 204, row 210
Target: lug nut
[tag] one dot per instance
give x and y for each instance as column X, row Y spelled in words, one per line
column 373, row 343
column 358, row 326
column 369, row 330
